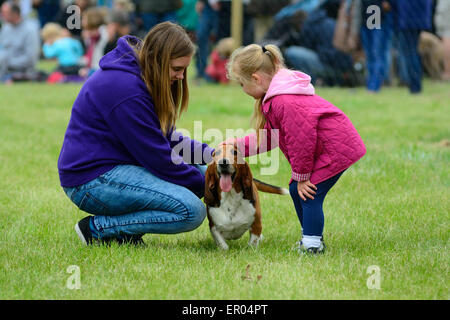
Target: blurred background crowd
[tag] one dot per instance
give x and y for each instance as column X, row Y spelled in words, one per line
column 337, row 42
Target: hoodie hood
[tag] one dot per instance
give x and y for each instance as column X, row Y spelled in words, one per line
column 288, row 81
column 122, row 57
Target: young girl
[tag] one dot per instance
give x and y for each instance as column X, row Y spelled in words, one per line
column 216, row 70
column 317, row 138
column 58, row 44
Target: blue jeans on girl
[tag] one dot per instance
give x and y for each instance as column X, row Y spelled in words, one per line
column 129, row 200
column 310, row 212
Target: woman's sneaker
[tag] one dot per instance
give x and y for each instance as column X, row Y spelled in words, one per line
column 84, row 232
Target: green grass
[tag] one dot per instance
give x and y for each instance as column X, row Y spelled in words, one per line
column 391, row 210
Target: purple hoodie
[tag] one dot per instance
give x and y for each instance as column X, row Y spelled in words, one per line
column 114, row 122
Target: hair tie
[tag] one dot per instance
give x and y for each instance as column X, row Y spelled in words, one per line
column 264, row 49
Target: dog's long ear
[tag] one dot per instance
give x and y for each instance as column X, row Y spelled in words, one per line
column 211, row 186
column 246, row 178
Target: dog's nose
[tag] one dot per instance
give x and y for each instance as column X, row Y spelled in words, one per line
column 223, row 162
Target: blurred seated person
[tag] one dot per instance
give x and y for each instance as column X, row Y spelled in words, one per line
column 60, row 45
column 19, row 45
column 431, row 53
column 442, row 22
column 285, row 32
column 129, row 7
column 95, row 37
column 311, row 50
column 216, row 69
column 118, row 25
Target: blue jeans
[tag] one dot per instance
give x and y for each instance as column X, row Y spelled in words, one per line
column 408, row 41
column 305, row 60
column 377, row 46
column 130, row 200
column 400, row 63
column 310, row 212
column 207, row 24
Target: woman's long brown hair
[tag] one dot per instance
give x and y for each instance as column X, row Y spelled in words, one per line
column 163, row 43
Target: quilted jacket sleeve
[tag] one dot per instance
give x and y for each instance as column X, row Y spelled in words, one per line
column 248, row 145
column 299, row 127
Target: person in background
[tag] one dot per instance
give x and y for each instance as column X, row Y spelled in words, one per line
column 118, row 25
column 442, row 22
column 314, row 52
column 224, row 21
column 304, row 5
column 206, row 33
column 263, row 12
column 129, row 8
column 376, row 43
column 410, row 18
column 285, row 32
column 105, row 3
column 153, row 12
column 47, row 10
column 95, row 36
column 19, row 45
column 58, row 44
column 187, row 17
column 216, row 70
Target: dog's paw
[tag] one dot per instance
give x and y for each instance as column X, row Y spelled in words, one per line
column 255, row 240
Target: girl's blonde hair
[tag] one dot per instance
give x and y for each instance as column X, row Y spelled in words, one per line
column 244, row 62
column 51, row 31
column 164, row 42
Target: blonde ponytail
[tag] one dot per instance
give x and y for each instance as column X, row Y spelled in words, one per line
column 246, row 61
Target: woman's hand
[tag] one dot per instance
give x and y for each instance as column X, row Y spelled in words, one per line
column 306, row 189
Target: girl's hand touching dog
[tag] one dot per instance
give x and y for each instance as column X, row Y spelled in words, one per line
column 306, row 189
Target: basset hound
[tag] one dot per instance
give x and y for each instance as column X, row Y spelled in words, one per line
column 231, row 197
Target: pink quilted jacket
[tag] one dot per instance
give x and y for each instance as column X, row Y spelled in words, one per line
column 317, row 138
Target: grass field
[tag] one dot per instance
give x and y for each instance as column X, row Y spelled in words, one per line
column 388, row 213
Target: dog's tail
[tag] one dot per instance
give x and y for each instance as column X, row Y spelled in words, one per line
column 265, row 187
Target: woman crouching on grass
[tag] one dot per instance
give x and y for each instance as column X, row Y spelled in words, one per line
column 117, row 161
column 317, row 138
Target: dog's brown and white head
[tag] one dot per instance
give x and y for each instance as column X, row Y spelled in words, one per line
column 227, row 171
